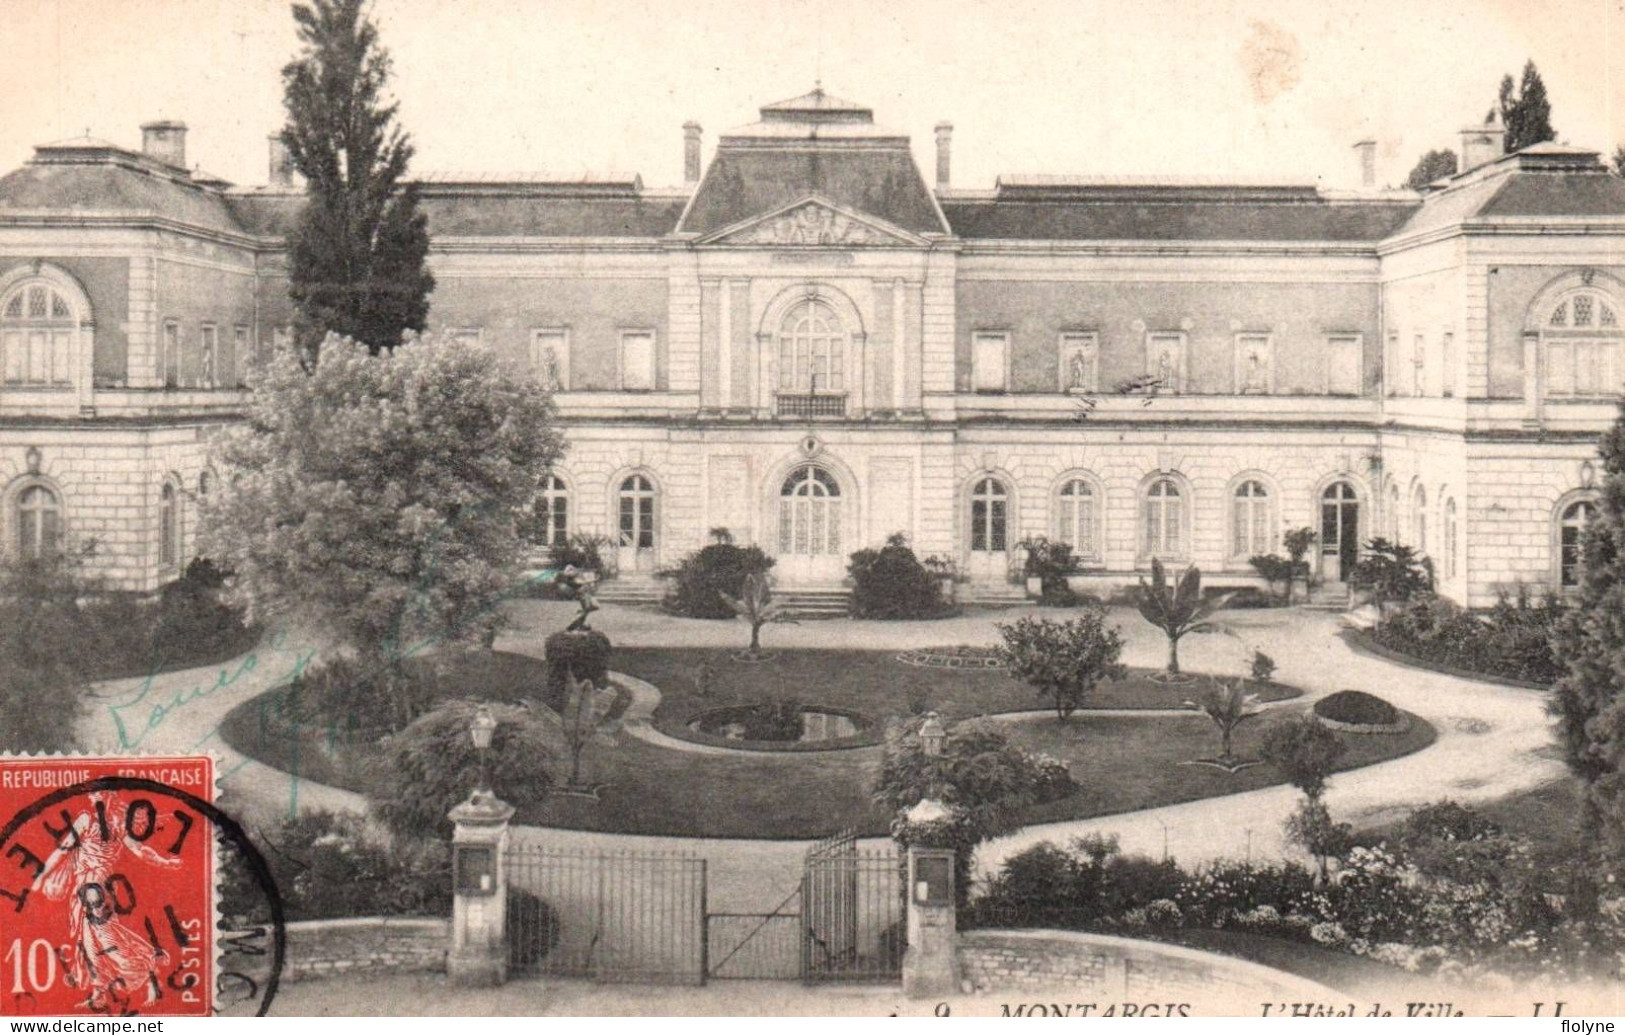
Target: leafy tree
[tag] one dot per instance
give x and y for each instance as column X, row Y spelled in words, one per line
column 1312, row 828
column 1274, row 570
column 1177, row 610
column 1298, row 543
column 357, row 255
column 1432, row 166
column 586, row 720
column 1590, row 700
column 1305, row 752
column 1263, row 667
column 755, row 604
column 1063, row 660
column 431, row 766
column 706, row 579
column 1618, row 161
column 44, row 663
column 1229, row 705
column 1391, row 572
column 380, row 497
column 1527, row 113
column 892, row 583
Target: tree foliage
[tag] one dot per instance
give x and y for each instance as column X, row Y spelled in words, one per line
column 44, row 663
column 755, row 604
column 1432, row 166
column 380, row 497
column 587, row 720
column 1176, row 610
column 892, row 583
column 1526, row 111
column 1391, row 572
column 1063, row 660
column 357, row 255
column 1617, row 163
column 1305, row 752
column 1590, row 700
column 1228, row 704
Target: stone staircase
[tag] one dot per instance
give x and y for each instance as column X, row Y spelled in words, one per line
column 990, row 594
column 814, row 601
column 631, row 590
column 1331, row 596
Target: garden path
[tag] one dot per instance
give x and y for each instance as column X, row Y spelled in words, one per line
column 1492, row 740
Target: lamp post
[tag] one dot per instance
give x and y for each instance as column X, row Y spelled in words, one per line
column 932, row 736
column 480, row 730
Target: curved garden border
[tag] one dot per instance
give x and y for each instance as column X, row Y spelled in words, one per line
column 1363, row 640
column 944, row 657
column 868, row 733
column 1364, row 728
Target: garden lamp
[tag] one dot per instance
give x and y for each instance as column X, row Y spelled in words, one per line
column 481, row 729
column 932, row 736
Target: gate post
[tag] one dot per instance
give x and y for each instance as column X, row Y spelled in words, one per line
column 479, row 948
column 931, row 963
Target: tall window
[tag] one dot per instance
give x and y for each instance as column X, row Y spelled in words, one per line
column 1080, row 363
column 240, row 350
column 1164, row 520
column 1077, row 518
column 810, row 513
column 1345, row 361
column 169, row 527
column 989, row 503
column 812, row 349
column 1165, row 361
column 550, row 357
column 1419, row 365
column 1583, row 340
column 1571, row 541
column 553, row 512
column 209, row 348
column 638, row 361
column 1254, row 364
column 989, row 358
column 39, row 522
column 1391, row 376
column 1393, row 513
column 1447, row 360
column 637, row 512
column 1419, row 520
column 170, row 361
column 1452, row 538
column 1252, row 521
column 37, row 328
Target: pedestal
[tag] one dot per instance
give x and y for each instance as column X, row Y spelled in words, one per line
column 931, row 964
column 479, row 948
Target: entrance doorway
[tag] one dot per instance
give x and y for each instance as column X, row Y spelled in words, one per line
column 810, row 526
column 989, row 532
column 636, row 552
column 1339, row 532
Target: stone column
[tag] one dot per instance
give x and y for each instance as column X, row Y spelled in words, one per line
column 479, row 948
column 931, row 964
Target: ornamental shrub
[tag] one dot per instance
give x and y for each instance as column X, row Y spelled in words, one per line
column 892, row 583
column 1357, row 708
column 533, row 929
column 704, row 579
column 585, row 652
column 1512, row 640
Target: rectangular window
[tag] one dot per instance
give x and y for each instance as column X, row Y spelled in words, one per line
column 170, row 361
column 1447, row 365
column 241, row 349
column 1390, row 366
column 989, row 352
column 550, row 357
column 1255, row 366
column 1080, row 362
column 208, row 355
column 1419, row 366
column 638, row 361
column 1560, row 378
column 1165, row 362
column 1344, row 362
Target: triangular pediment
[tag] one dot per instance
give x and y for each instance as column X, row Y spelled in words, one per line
column 815, row 222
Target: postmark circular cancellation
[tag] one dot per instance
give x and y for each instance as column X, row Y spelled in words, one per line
column 109, row 870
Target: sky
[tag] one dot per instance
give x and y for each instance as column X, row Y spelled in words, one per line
column 1279, row 90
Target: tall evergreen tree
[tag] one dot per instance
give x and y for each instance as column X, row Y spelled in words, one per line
column 1431, row 166
column 1618, row 161
column 1590, row 701
column 1527, row 114
column 357, row 256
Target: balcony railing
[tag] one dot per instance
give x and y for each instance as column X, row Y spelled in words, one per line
column 806, row 405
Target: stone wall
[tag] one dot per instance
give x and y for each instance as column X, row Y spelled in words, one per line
column 365, row 945
column 1123, row 970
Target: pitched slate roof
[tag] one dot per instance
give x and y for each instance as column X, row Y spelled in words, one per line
column 508, row 214
column 743, row 183
column 1543, row 180
column 113, row 185
column 1205, row 216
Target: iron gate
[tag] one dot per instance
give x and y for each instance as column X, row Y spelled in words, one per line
column 853, row 912
column 606, row 916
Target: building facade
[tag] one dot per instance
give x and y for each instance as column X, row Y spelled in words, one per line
column 813, row 347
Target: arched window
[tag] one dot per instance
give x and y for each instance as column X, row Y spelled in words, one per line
column 637, row 506
column 1452, row 538
column 205, row 483
column 39, row 522
column 38, row 325
column 812, row 349
column 1581, row 338
column 1252, row 521
column 169, row 527
column 1419, row 520
column 1164, row 520
column 1393, row 512
column 1571, row 528
column 1077, row 518
column 810, row 513
column 552, row 510
column 989, row 503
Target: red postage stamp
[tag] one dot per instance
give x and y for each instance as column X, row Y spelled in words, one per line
column 107, row 886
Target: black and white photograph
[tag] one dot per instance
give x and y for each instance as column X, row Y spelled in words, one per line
column 811, row 508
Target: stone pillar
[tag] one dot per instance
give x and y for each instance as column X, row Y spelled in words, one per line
column 479, row 947
column 931, row 964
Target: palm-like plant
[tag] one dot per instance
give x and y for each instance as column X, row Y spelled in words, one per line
column 755, row 604
column 1228, row 704
column 584, row 721
column 1177, row 610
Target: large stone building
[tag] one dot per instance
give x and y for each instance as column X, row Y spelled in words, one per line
column 812, row 346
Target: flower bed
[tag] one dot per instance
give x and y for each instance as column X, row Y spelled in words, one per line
column 961, row 656
column 1509, row 642
column 732, row 727
column 1353, row 711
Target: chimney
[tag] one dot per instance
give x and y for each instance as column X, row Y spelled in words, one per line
column 165, row 141
column 691, row 152
column 1482, row 144
column 1366, row 152
column 945, row 146
column 280, row 169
